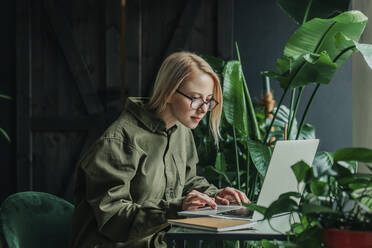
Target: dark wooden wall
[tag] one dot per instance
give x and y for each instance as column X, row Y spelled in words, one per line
column 69, row 86
column 7, row 108
column 157, row 28
column 69, row 83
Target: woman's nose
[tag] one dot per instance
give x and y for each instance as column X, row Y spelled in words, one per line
column 203, row 108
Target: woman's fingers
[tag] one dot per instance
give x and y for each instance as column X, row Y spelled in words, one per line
column 243, row 197
column 228, row 192
column 233, row 195
column 222, row 201
column 195, row 199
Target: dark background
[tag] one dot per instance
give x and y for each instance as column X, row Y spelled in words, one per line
column 7, row 86
column 260, row 28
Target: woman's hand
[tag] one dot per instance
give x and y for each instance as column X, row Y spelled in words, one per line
column 195, row 200
column 229, row 195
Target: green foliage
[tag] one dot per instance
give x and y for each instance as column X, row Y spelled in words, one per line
column 297, row 9
column 335, row 197
column 313, row 54
column 234, row 108
column 242, row 160
column 356, row 154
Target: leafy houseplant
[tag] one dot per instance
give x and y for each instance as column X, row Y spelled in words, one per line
column 2, row 131
column 335, row 198
column 328, row 35
column 313, row 54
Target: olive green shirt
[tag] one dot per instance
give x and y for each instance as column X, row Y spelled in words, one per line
column 132, row 180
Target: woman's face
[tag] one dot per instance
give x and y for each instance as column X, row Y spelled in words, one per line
column 199, row 85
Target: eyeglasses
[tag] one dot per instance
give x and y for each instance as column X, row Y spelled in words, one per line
column 198, row 102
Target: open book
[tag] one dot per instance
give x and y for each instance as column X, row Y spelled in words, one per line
column 213, row 224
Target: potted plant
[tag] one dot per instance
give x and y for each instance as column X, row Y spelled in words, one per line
column 335, row 209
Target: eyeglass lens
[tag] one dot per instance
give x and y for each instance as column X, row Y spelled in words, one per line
column 198, row 102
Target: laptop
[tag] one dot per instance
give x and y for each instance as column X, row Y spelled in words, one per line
column 279, row 179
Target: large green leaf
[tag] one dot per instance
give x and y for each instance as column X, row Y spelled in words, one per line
column 319, row 8
column 354, row 154
column 281, row 205
column 309, row 208
column 313, row 53
column 318, row 35
column 322, row 164
column 307, row 132
column 347, row 44
column 358, row 180
column 235, row 109
column 260, row 155
column 341, row 170
column 308, row 68
column 216, row 63
column 300, row 170
column 319, row 188
column 255, row 207
column 290, row 194
column 220, row 162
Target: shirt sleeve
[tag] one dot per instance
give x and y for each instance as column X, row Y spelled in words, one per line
column 108, row 170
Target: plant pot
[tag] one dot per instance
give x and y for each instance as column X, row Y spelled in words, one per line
column 336, row 238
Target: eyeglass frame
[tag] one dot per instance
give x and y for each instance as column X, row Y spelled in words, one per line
column 192, row 99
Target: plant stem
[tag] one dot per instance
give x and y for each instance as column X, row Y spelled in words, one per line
column 253, row 185
column 316, row 89
column 276, row 113
column 236, row 159
column 248, row 170
column 296, row 109
column 291, row 115
column 307, row 11
column 251, row 112
column 307, row 110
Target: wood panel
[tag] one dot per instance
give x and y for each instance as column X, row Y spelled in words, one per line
column 69, row 86
column 182, row 25
column 69, row 71
column 23, row 96
column 133, row 51
column 225, row 29
column 158, row 37
column 113, row 56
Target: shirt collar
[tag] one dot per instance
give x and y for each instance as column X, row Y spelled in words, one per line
column 136, row 106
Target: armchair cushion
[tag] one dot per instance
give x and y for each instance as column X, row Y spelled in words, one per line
column 36, row 219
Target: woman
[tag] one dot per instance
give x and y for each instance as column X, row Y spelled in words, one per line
column 142, row 170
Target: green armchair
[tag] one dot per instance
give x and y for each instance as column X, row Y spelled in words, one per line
column 36, row 219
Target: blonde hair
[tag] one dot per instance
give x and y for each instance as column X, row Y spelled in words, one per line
column 175, row 69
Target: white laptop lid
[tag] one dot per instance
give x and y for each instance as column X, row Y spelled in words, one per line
column 279, row 176
column 278, row 180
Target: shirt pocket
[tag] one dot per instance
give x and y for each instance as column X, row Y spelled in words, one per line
column 180, row 166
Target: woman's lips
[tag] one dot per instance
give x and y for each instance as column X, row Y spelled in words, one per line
column 195, row 119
